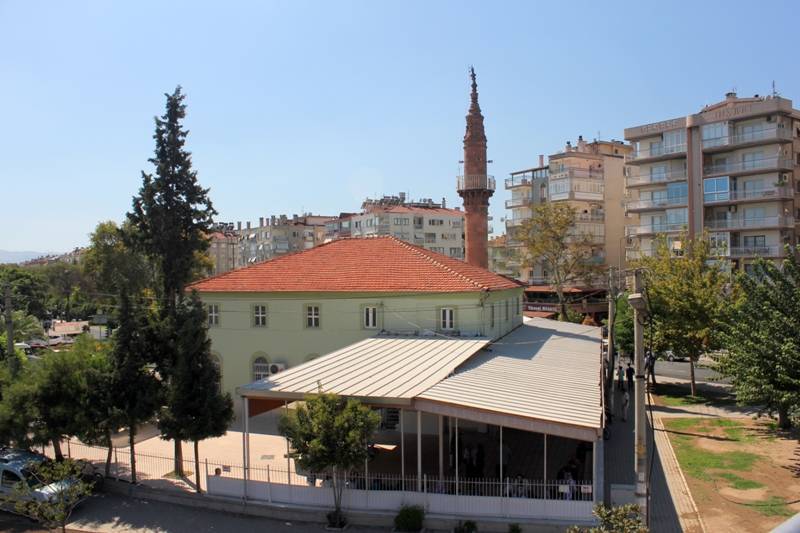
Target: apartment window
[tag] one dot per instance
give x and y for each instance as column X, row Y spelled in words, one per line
column 755, row 241
column 677, row 218
column 213, row 315
column 716, row 189
column 755, row 213
column 457, row 253
column 658, row 172
column 260, row 316
column 370, row 317
column 418, row 221
column 312, row 316
column 677, row 192
column 430, row 238
column 401, row 221
column 751, row 160
column 752, row 188
column 447, row 318
column 436, row 222
column 715, row 134
column 437, row 249
column 674, row 141
column 260, row 368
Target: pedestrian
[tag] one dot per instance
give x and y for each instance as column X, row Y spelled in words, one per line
column 650, row 368
column 626, row 401
column 629, row 373
column 620, row 378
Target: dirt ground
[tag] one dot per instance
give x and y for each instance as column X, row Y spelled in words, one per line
column 743, row 474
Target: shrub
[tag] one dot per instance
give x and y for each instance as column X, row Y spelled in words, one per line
column 514, row 528
column 409, row 518
column 466, row 527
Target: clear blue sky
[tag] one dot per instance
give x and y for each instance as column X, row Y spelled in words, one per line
column 312, row 106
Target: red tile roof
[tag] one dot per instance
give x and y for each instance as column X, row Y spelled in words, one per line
column 375, row 264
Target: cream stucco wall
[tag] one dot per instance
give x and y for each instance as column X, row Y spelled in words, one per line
column 286, row 339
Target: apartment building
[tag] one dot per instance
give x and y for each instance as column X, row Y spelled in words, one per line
column 223, row 248
column 424, row 223
column 589, row 176
column 280, row 235
column 729, row 169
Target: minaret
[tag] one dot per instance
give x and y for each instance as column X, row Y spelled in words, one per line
column 475, row 186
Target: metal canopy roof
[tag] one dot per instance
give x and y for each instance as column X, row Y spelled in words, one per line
column 385, row 369
column 544, row 370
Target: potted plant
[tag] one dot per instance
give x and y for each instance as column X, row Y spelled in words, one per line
column 410, row 518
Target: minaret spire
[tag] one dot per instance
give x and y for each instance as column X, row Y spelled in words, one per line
column 475, row 186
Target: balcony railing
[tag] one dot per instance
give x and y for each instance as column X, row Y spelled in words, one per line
column 634, row 254
column 649, row 179
column 736, row 196
column 527, row 178
column 765, row 163
column 738, row 223
column 657, row 151
column 652, row 229
column 768, row 250
column 515, row 221
column 764, row 134
column 575, row 172
column 522, row 201
column 661, row 203
column 467, row 183
column 590, row 217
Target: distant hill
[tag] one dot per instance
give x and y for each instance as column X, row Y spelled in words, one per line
column 7, row 256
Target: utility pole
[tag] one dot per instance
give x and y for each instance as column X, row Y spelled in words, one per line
column 639, row 305
column 12, row 358
column 612, row 311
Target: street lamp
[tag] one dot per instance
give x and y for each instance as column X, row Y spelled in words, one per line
column 638, row 302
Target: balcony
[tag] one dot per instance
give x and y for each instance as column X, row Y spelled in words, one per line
column 653, row 229
column 673, row 175
column 522, row 201
column 771, row 193
column 527, row 178
column 657, row 152
column 741, row 223
column 772, row 250
column 475, row 183
column 590, row 217
column 748, row 167
column 576, row 189
column 764, row 135
column 575, row 172
column 515, row 221
column 632, row 254
column 661, row 203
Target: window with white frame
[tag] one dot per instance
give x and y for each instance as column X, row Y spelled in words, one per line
column 260, row 368
column 370, row 317
column 447, row 318
column 213, row 315
column 312, row 316
column 260, row 316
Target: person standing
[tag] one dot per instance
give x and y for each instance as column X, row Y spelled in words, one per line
column 629, row 372
column 650, row 368
column 626, row 402
column 620, row 378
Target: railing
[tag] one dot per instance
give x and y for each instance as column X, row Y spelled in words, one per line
column 466, row 183
column 521, row 201
column 526, row 178
column 652, row 229
column 516, row 221
column 765, row 163
column 664, row 177
column 745, row 223
column 735, row 196
column 590, row 217
column 661, row 203
column 657, row 151
column 575, row 172
column 632, row 255
column 754, row 251
column 763, row 134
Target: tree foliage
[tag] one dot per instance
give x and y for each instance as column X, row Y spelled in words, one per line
column 112, row 263
column 551, row 238
column 623, row 326
column 688, row 298
column 28, row 290
column 328, row 435
column 620, row 519
column 26, row 327
column 762, row 339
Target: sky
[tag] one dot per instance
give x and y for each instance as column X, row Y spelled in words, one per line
column 304, row 106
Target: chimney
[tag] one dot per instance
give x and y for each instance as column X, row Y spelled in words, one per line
column 569, row 146
column 248, row 224
column 581, row 143
column 541, row 160
column 444, row 201
column 239, row 225
column 272, row 220
column 730, row 96
column 260, row 222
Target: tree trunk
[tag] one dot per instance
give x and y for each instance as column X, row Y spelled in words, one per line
column 131, row 436
column 691, row 373
column 57, row 449
column 178, row 458
column 197, row 468
column 784, row 422
column 562, row 305
column 108, row 457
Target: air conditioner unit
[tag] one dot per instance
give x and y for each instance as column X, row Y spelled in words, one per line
column 275, row 368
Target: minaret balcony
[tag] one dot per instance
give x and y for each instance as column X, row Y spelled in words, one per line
column 471, row 183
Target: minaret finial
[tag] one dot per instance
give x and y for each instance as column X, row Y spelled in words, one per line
column 474, row 95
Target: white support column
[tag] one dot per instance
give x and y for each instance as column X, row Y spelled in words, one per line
column 598, row 480
column 402, row 452
column 441, row 447
column 419, row 451
column 245, row 454
column 457, row 456
column 545, row 458
column 288, row 459
column 501, row 454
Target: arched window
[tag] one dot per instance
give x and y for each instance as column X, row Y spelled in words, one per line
column 260, row 368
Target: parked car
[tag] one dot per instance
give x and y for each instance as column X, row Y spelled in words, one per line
column 670, row 356
column 15, row 468
column 38, row 344
column 25, row 347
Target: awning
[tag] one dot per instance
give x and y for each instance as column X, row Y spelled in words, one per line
column 382, row 369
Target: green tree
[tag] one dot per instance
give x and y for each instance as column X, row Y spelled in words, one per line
column 621, row 519
column 20, row 424
column 26, row 326
column 195, row 408
column 688, row 298
column 137, row 390
column 762, row 355
column 623, row 326
column 28, row 290
column 551, row 238
column 69, row 291
column 112, row 263
column 65, row 489
column 328, row 435
column 172, row 216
